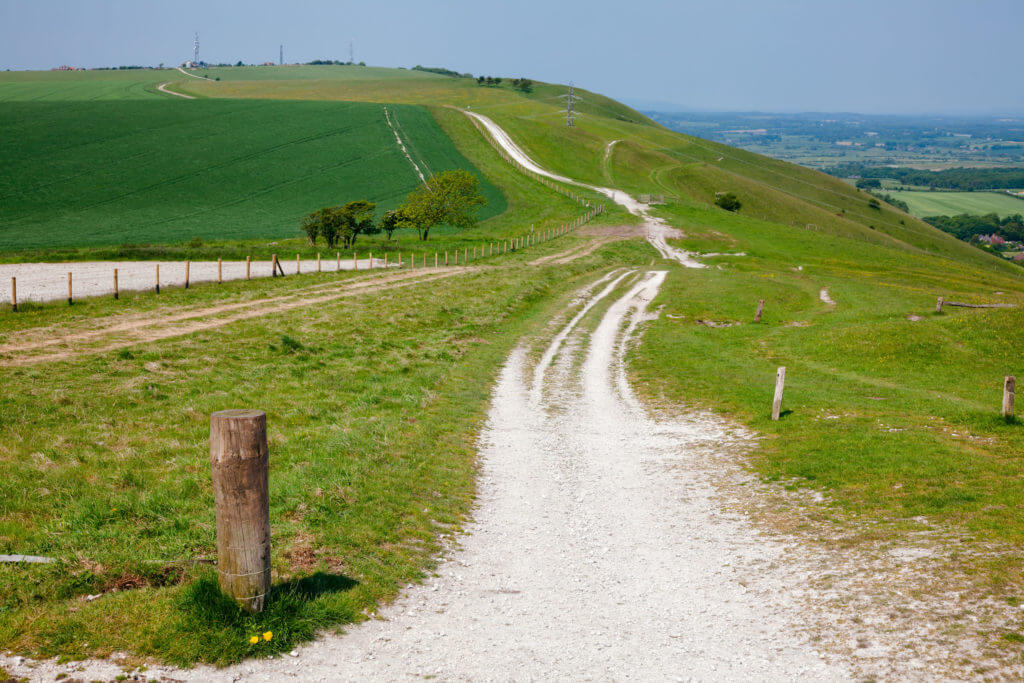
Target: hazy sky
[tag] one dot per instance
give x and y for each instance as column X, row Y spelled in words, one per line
column 872, row 56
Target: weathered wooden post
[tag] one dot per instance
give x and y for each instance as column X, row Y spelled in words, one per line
column 399, row 259
column 239, row 462
column 187, row 263
column 70, row 300
column 248, row 267
column 780, row 383
column 435, row 259
column 385, row 260
column 298, row 265
column 220, row 272
column 760, row 309
column 1009, row 389
column 14, row 294
column 938, row 305
column 371, row 260
column 115, row 283
column 157, row 282
column 355, row 260
column 318, row 268
column 339, row 260
column 446, row 257
column 273, row 265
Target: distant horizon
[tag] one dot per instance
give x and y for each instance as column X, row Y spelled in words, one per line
column 898, row 57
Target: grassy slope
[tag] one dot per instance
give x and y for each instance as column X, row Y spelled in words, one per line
column 896, row 419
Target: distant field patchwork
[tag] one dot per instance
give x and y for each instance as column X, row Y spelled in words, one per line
column 83, row 173
column 951, row 203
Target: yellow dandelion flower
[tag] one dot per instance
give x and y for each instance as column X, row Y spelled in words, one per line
column 268, row 635
column 254, row 640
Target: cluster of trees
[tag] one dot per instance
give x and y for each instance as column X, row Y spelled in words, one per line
column 892, row 201
column 964, row 179
column 333, row 62
column 728, row 201
column 967, row 226
column 441, row 71
column 448, row 198
column 521, row 84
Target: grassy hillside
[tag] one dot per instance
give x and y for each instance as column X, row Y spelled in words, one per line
column 107, row 173
column 375, row 399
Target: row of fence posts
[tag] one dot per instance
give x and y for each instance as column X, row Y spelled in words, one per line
column 510, row 244
column 1009, row 382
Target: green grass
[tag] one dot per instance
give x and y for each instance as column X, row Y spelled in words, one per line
column 894, row 419
column 953, row 203
column 107, row 173
column 373, row 404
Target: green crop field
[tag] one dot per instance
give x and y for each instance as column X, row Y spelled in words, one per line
column 106, row 173
column 953, row 203
column 35, row 86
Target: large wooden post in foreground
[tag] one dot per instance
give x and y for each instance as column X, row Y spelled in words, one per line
column 1009, row 390
column 780, row 383
column 239, row 462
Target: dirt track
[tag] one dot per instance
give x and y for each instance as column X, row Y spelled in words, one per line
column 48, row 344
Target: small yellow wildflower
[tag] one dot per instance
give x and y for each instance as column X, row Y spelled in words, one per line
column 268, row 635
column 254, row 640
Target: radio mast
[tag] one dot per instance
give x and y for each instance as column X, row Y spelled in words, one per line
column 280, row 58
column 351, row 53
column 195, row 50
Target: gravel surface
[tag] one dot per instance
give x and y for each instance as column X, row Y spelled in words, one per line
column 657, row 230
column 49, row 281
column 598, row 549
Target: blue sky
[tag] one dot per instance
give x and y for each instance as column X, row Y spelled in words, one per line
column 872, row 56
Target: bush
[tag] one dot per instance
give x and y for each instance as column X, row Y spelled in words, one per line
column 729, row 201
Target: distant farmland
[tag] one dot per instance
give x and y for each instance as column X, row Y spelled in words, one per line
column 92, row 173
column 951, row 203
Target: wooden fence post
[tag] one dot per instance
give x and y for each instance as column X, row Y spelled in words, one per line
column 760, row 309
column 70, row 300
column 780, row 383
column 115, row 283
column 187, row 263
column 273, row 265
column 385, row 260
column 220, row 272
column 298, row 265
column 157, row 282
column 371, row 260
column 435, row 259
column 938, row 305
column 355, row 260
column 339, row 260
column 248, row 267
column 239, row 463
column 318, row 268
column 14, row 294
column 1009, row 389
